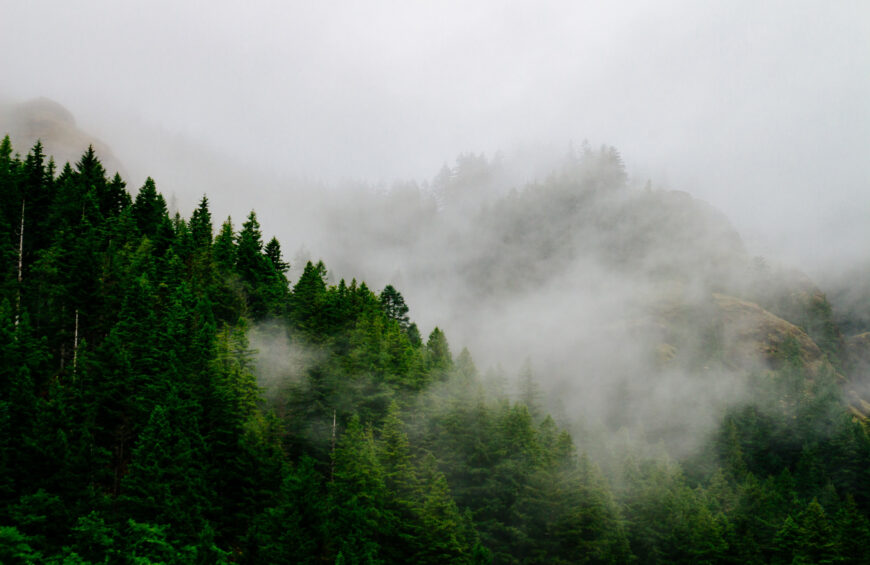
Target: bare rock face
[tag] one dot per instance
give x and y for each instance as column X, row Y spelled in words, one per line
column 47, row 121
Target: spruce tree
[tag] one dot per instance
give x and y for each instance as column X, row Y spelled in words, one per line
column 149, row 209
column 200, row 225
column 394, row 306
column 273, row 252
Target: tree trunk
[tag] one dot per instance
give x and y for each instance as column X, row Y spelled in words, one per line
column 76, row 343
column 20, row 264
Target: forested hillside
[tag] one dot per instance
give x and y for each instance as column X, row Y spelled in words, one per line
column 133, row 427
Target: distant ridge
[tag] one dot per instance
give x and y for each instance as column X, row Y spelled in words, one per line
column 47, row 120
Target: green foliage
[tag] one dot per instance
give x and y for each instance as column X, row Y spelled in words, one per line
column 200, row 225
column 293, row 529
column 273, row 253
column 309, row 298
column 166, row 482
column 149, row 208
column 394, row 306
column 15, row 548
column 358, row 516
column 438, row 359
column 133, row 428
column 225, row 248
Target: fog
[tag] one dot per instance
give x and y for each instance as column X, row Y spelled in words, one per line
column 347, row 127
column 759, row 108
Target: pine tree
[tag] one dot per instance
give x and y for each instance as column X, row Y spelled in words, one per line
column 166, row 482
column 23, row 360
column 225, row 248
column 273, row 252
column 395, row 456
column 294, row 529
column 114, row 198
column 307, row 300
column 466, row 370
column 817, row 542
column 200, row 225
column 394, row 306
column 445, row 535
column 149, row 209
column 852, row 531
column 439, row 361
column 357, row 496
column 249, row 251
column 264, row 287
column 414, row 337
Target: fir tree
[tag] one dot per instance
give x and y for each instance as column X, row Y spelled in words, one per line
column 273, row 252
column 149, row 209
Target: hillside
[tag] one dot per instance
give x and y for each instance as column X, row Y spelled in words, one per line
column 586, row 273
column 168, row 395
column 45, row 120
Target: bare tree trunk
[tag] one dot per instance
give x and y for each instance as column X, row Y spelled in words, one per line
column 76, row 343
column 332, row 459
column 20, row 263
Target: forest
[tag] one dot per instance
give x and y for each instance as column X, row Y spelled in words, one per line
column 134, row 427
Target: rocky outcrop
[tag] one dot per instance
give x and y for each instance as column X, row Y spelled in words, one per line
column 46, row 120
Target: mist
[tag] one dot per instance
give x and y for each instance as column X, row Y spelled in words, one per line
column 758, row 109
column 412, row 146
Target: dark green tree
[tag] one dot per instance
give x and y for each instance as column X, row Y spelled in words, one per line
column 225, row 250
column 273, row 252
column 358, row 517
column 394, row 306
column 439, row 361
column 307, row 299
column 149, row 209
column 201, row 229
column 166, row 482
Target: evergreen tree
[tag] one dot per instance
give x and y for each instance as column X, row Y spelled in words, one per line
column 358, row 518
column 273, row 252
column 114, row 198
column 200, row 225
column 225, row 250
column 446, row 536
column 133, row 427
column 249, row 251
column 306, row 302
column 394, row 306
column 414, row 337
column 149, row 209
column 264, row 287
column 166, row 483
column 294, row 529
column 439, row 361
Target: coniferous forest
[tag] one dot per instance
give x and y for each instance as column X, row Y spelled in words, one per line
column 133, row 428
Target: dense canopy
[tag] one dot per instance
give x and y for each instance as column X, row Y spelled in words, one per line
column 133, row 428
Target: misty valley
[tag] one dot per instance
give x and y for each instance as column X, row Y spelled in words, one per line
column 602, row 372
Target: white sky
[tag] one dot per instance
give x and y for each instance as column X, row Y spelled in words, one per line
column 761, row 108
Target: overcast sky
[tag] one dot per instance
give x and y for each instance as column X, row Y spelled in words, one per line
column 761, row 108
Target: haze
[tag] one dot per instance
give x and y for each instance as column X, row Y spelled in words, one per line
column 759, row 108
column 307, row 112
